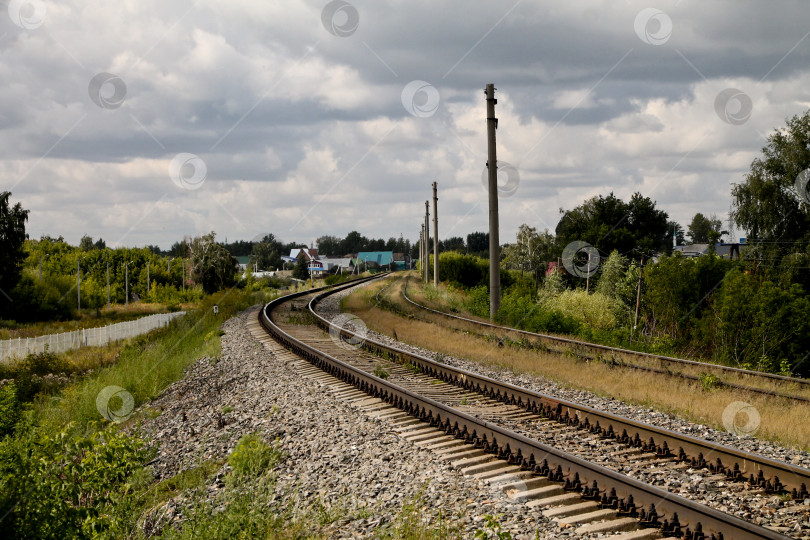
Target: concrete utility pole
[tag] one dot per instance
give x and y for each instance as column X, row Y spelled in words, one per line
column 427, row 242
column 638, row 293
column 494, row 245
column 422, row 246
column 126, row 281
column 78, row 287
column 435, row 238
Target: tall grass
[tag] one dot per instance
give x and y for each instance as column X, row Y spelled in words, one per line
column 150, row 363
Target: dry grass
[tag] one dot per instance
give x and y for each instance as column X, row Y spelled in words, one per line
column 782, row 422
column 442, row 299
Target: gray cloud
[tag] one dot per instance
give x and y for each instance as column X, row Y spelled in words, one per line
column 293, row 121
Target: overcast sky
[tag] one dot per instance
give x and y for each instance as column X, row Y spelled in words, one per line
column 144, row 121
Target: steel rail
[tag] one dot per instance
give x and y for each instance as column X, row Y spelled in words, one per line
column 653, row 507
column 767, row 474
column 670, row 359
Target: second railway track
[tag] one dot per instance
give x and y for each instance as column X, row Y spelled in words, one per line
column 767, row 384
column 504, row 421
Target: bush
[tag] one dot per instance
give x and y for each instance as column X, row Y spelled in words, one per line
column 10, row 408
column 595, row 310
column 477, row 301
column 252, row 456
column 63, row 486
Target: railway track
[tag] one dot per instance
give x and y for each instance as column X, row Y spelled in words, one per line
column 491, row 430
column 757, row 382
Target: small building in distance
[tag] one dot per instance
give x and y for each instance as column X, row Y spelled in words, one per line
column 723, row 250
column 338, row 265
column 375, row 259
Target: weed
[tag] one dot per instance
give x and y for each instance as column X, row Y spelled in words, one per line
column 252, row 456
column 380, row 372
column 709, row 381
column 492, row 530
column 410, row 367
column 463, row 401
column 226, row 409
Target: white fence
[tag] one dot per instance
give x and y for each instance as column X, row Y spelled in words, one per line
column 86, row 337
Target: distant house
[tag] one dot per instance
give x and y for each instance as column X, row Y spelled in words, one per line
column 334, row 265
column 726, row 251
column 402, row 261
column 243, row 261
column 309, row 254
column 375, row 258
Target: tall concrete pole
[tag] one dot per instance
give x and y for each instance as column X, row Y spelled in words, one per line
column 494, row 244
column 126, row 286
column 435, row 237
column 427, row 242
column 422, row 246
column 78, row 286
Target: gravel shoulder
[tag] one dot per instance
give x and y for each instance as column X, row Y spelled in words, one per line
column 336, row 456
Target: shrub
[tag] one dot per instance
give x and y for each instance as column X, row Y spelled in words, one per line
column 10, row 408
column 595, row 310
column 62, row 486
column 252, row 456
column 477, row 301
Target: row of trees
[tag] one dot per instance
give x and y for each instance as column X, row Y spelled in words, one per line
column 49, row 279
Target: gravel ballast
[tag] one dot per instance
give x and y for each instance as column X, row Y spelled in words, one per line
column 335, row 455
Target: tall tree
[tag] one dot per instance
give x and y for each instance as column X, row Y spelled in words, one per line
column 86, row 243
column 454, row 243
column 477, row 242
column 609, row 223
column 12, row 237
column 265, row 256
column 353, row 243
column 767, row 203
column 300, row 271
column 705, row 230
column 329, row 246
column 531, row 251
column 212, row 265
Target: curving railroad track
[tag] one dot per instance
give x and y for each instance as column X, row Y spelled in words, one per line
column 757, row 382
column 508, row 435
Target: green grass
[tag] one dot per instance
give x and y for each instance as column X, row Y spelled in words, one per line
column 149, row 364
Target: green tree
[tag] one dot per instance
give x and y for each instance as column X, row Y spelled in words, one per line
column 612, row 276
column 454, row 243
column 86, row 243
column 212, row 265
column 531, row 251
column 478, row 243
column 766, row 203
column 757, row 324
column 12, row 238
column 264, row 256
column 705, row 230
column 608, row 223
column 329, row 245
column 300, row 271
